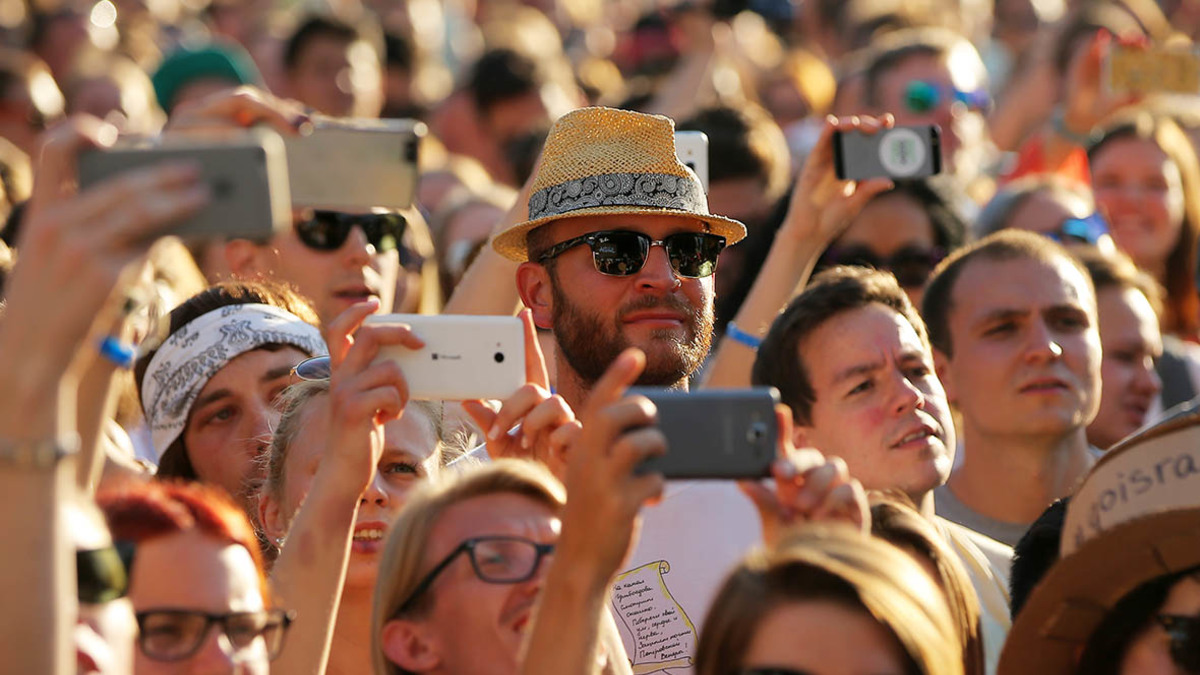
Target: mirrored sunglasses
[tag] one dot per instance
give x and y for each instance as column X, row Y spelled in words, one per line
column 921, row 96
column 620, row 253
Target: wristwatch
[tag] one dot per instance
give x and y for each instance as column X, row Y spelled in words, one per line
column 41, row 453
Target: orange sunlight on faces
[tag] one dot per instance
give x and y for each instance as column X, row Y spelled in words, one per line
column 879, row 405
column 232, row 419
column 478, row 627
column 1026, row 348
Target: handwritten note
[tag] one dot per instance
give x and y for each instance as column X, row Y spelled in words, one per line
column 663, row 636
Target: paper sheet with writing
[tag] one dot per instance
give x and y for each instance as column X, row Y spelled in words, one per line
column 689, row 543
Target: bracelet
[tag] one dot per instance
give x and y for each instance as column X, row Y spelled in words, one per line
column 738, row 335
column 1058, row 122
column 120, row 353
column 44, row 453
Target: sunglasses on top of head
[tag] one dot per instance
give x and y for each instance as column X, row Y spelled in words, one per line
column 620, row 253
column 328, row 230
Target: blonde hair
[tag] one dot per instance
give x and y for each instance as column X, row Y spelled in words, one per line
column 837, row 564
column 895, row 520
column 401, row 568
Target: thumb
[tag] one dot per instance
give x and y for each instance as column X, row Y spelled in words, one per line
column 611, row 386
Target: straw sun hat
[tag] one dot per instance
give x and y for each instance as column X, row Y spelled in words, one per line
column 1135, row 517
column 600, row 161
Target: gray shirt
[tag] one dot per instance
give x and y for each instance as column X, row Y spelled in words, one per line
column 946, row 505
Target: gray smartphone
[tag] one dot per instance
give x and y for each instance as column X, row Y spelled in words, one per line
column 355, row 164
column 246, row 174
column 900, row 152
column 715, row 433
column 692, row 149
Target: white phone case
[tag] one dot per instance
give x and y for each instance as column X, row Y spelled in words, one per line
column 464, row 357
column 692, row 149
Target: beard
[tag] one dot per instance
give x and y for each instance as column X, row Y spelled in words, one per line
column 590, row 342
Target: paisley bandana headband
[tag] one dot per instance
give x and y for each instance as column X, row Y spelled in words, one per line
column 195, row 352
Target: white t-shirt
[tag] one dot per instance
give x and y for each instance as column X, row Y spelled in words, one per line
column 690, row 541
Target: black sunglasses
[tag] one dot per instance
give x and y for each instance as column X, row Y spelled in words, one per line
column 496, row 560
column 328, row 230
column 177, row 634
column 620, row 253
column 102, row 574
column 911, row 266
column 1184, row 632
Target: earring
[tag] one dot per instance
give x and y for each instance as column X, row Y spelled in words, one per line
column 279, row 542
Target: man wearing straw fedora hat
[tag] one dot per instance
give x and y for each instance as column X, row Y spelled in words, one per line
column 619, row 250
column 609, row 185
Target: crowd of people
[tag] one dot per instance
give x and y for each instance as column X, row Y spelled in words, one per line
column 987, row 435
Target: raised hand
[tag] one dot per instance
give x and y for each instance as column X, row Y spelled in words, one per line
column 807, row 487
column 822, row 205
column 546, row 421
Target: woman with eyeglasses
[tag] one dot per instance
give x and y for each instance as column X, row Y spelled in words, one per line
column 209, row 390
column 299, row 469
column 828, row 600
column 196, row 581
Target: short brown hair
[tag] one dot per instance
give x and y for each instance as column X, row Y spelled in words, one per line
column 832, row 292
column 1113, row 269
column 401, row 567
column 1004, row 245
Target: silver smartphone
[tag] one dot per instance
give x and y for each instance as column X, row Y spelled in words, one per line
column 900, row 152
column 246, row 174
column 464, row 357
column 715, row 433
column 349, row 164
column 692, row 149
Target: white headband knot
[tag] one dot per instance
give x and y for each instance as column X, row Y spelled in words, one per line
column 194, row 353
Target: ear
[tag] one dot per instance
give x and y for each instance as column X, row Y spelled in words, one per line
column 409, row 645
column 247, row 260
column 533, row 284
column 270, row 518
column 941, row 366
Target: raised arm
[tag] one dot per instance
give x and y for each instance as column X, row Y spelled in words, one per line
column 311, row 568
column 820, row 209
column 76, row 252
column 604, row 496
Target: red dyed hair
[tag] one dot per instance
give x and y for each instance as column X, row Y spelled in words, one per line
column 140, row 512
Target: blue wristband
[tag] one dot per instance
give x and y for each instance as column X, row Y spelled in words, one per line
column 118, row 352
column 738, row 335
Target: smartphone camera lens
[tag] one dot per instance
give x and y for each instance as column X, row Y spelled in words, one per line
column 756, row 432
column 499, row 357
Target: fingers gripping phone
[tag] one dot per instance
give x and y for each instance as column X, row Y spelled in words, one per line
column 715, row 433
column 899, row 152
column 464, row 357
column 246, row 175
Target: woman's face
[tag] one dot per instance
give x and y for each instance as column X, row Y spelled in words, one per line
column 409, row 457
column 1140, row 192
column 822, row 637
column 1150, row 651
column 231, row 420
column 895, row 228
column 193, row 572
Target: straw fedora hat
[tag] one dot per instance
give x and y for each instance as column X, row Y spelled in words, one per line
column 1135, row 517
column 600, row 161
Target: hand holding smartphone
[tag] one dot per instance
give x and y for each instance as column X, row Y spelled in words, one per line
column 246, row 175
column 715, row 433
column 464, row 357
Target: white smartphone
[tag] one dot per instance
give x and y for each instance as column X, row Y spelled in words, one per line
column 355, row 164
column 692, row 149
column 464, row 357
column 246, row 174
